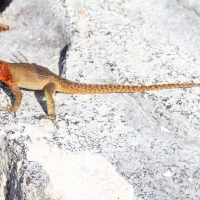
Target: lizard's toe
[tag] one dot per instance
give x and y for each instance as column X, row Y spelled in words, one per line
column 8, row 109
column 51, row 117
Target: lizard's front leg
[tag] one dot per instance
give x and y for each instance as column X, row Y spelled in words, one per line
column 18, row 97
column 49, row 91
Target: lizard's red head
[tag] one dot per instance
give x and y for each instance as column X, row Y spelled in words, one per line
column 5, row 74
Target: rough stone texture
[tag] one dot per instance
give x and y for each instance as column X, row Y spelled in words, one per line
column 109, row 146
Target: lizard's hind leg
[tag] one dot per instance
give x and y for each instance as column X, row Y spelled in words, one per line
column 49, row 91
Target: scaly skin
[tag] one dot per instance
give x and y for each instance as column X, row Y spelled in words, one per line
column 35, row 77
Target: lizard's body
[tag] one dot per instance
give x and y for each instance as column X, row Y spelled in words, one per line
column 35, row 77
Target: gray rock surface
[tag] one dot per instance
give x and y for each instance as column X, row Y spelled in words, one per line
column 109, row 146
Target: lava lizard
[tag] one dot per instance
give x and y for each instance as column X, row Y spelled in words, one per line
column 35, row 77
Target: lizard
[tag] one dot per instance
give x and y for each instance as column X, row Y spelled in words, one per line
column 35, row 77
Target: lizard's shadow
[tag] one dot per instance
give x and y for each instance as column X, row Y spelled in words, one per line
column 39, row 95
column 7, row 90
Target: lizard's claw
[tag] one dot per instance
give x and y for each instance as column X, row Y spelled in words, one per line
column 51, row 117
column 8, row 109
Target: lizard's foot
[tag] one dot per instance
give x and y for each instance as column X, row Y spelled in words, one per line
column 51, row 117
column 9, row 109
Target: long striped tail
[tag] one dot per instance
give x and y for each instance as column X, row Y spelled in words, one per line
column 79, row 88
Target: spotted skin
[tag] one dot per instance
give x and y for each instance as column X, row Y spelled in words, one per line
column 35, row 77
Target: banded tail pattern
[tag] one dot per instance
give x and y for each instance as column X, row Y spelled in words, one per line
column 79, row 88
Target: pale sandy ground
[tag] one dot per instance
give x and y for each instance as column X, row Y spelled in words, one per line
column 109, row 146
